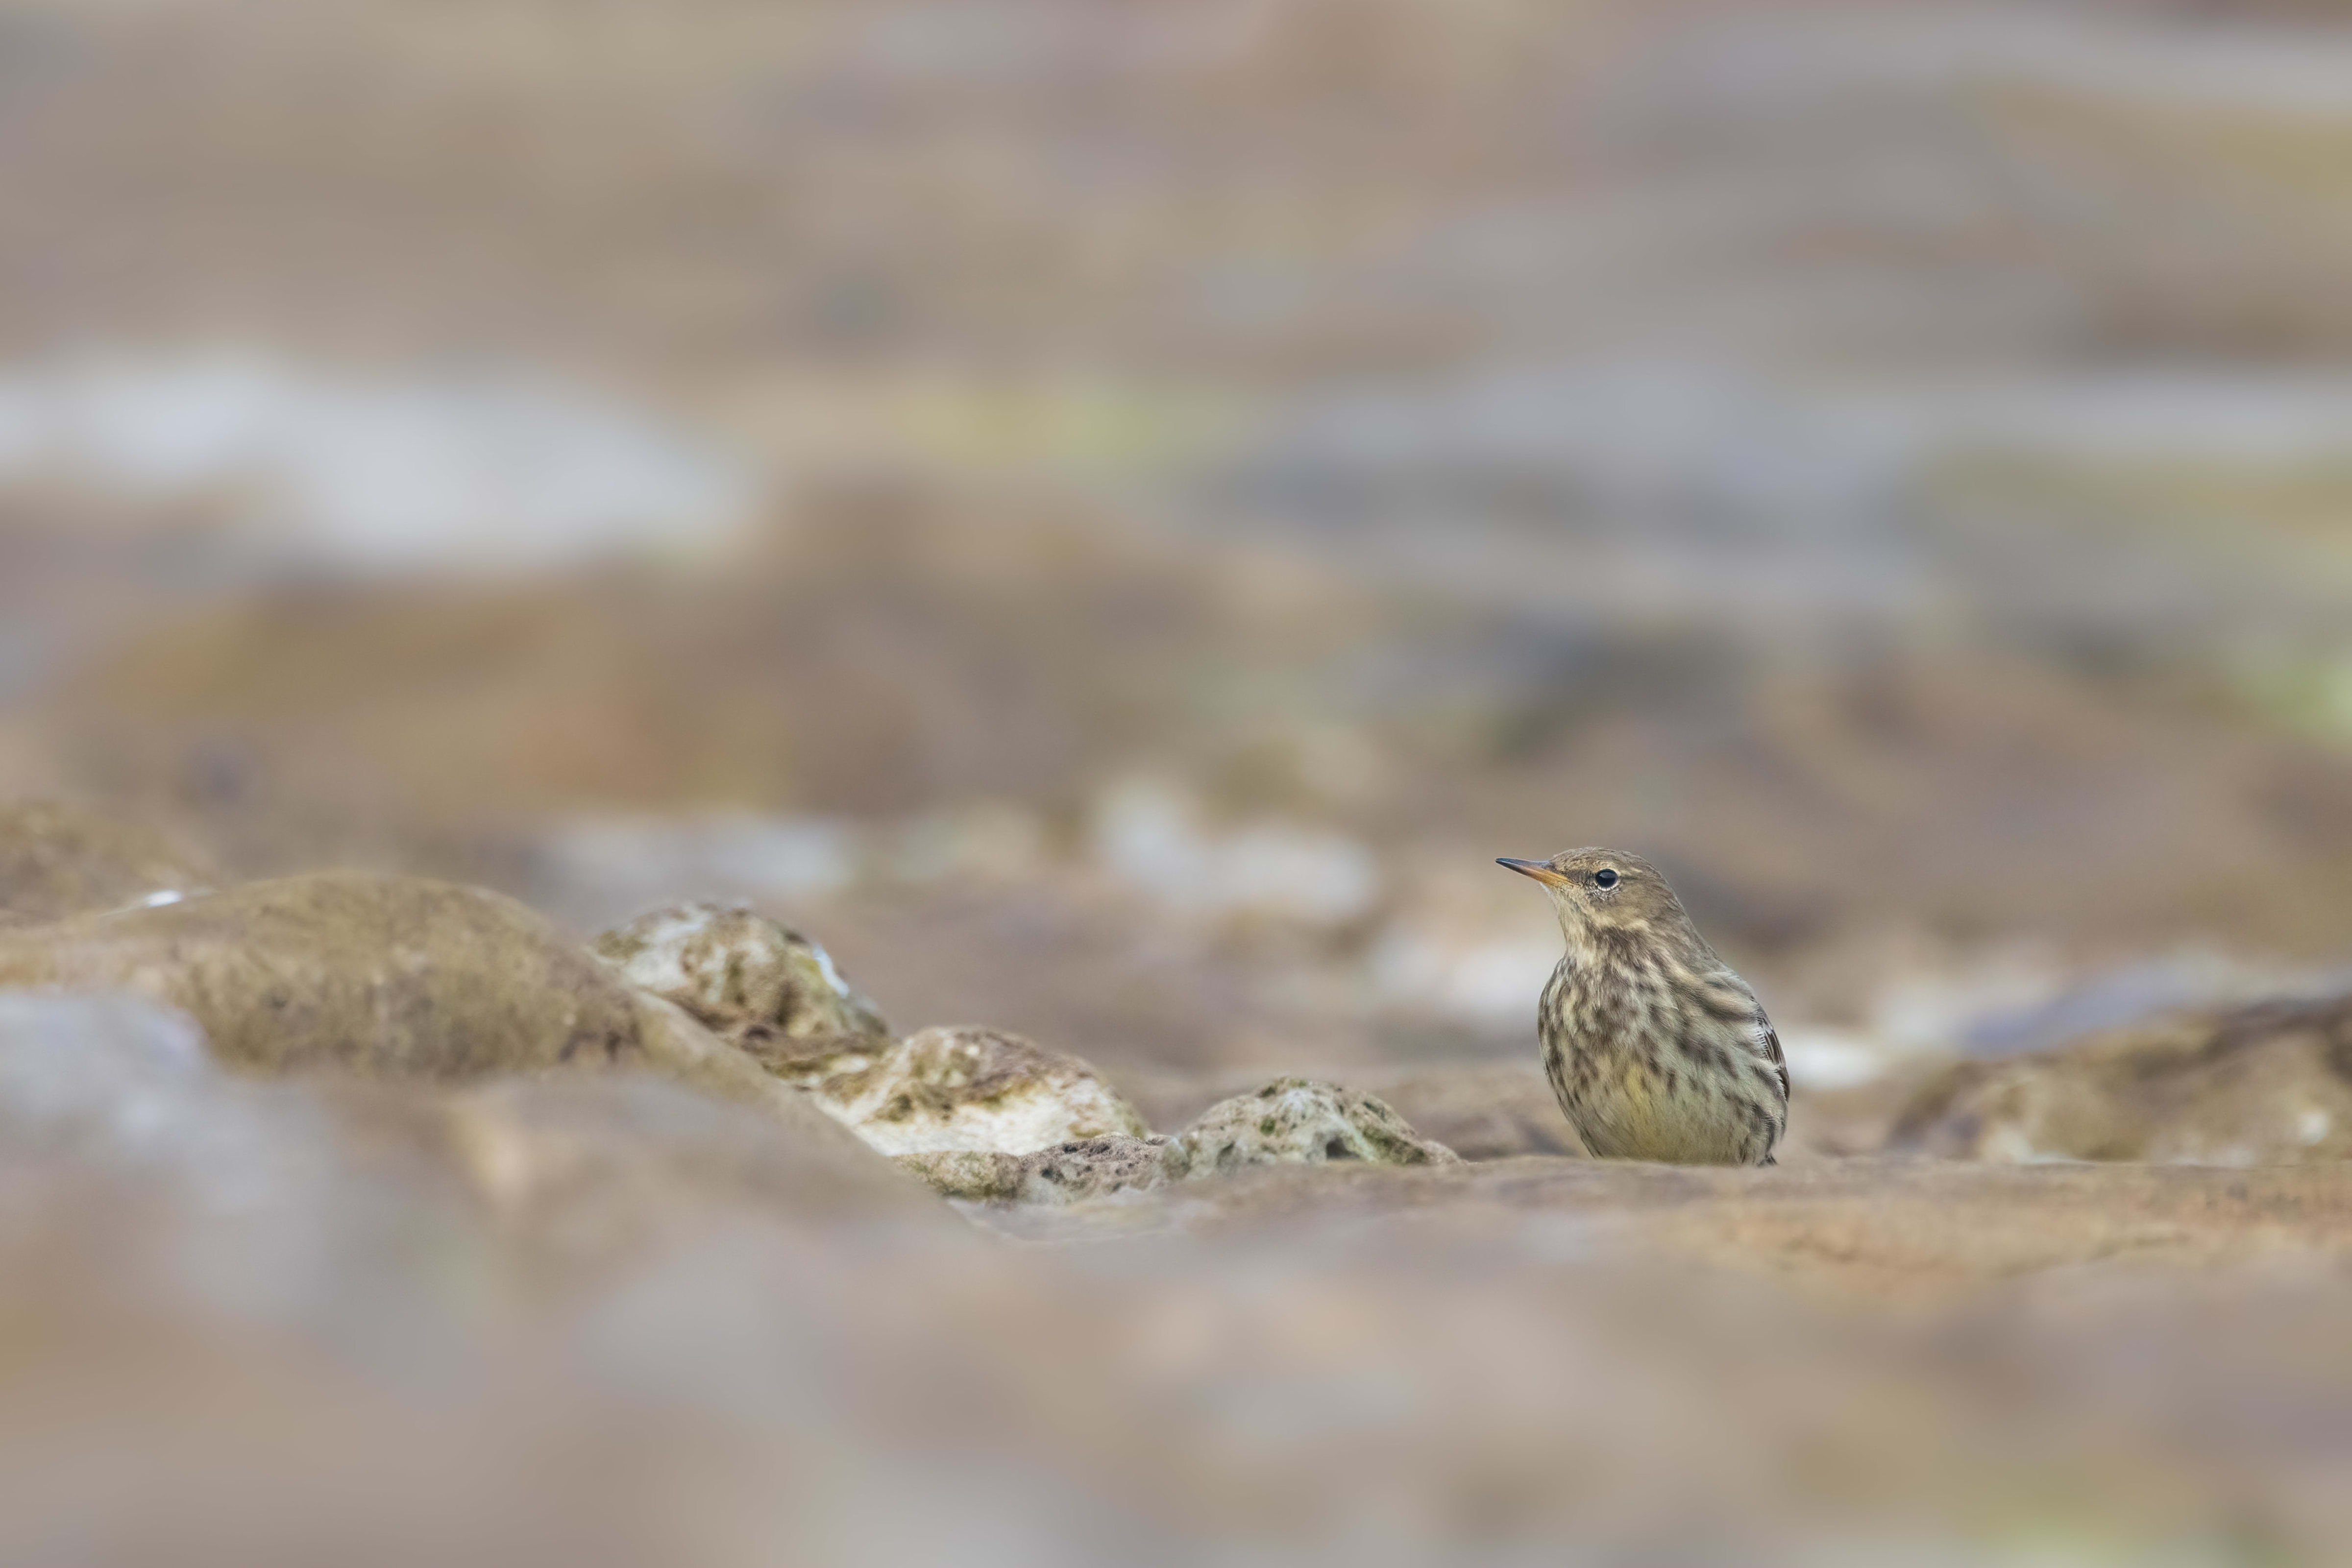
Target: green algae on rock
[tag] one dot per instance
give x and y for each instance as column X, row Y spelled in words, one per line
column 761, row 985
column 57, row 860
column 590, row 1167
column 968, row 1088
column 1296, row 1121
column 2260, row 1084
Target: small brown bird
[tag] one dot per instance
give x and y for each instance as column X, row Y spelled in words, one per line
column 1656, row 1050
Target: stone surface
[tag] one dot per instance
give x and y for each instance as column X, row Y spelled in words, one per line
column 979, row 1175
column 2264, row 1084
column 1067, row 1173
column 594, row 1167
column 57, row 860
column 411, row 1320
column 1857, row 1228
column 1297, row 1120
column 383, row 976
column 968, row 1088
column 1100, row 1167
column 393, row 978
column 760, row 984
column 1291, row 1121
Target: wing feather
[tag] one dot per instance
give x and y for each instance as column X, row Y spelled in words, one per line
column 1772, row 1049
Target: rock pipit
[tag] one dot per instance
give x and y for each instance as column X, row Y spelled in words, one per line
column 1656, row 1050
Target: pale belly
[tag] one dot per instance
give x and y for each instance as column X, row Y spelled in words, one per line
column 1631, row 1114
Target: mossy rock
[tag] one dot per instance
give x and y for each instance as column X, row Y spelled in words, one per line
column 1296, row 1121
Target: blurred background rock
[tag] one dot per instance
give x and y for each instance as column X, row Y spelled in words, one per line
column 1113, row 511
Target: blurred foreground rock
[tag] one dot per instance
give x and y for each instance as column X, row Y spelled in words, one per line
column 120, row 1081
column 1872, row 1228
column 520, row 1322
column 589, row 1168
column 2257, row 1085
column 57, row 860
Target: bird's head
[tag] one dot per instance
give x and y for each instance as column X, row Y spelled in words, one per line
column 1596, row 890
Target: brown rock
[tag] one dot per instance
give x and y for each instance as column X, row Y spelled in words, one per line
column 385, row 976
column 57, row 860
column 393, row 977
column 2264, row 1084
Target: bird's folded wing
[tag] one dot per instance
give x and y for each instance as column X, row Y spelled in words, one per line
column 1772, row 1049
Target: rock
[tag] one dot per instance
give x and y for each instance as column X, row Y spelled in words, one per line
column 2269, row 1083
column 57, row 860
column 1290, row 1121
column 967, row 1088
column 1067, row 1173
column 1098, row 1167
column 761, row 985
column 979, row 1175
column 389, row 978
column 591, row 1167
column 384, row 976
column 1295, row 1121
column 87, row 1075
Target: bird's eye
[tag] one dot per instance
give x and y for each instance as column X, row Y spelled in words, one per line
column 1604, row 877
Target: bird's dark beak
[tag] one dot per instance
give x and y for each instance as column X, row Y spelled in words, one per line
column 1535, row 869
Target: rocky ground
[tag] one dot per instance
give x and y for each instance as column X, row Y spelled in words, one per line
column 371, row 1217
column 750, row 754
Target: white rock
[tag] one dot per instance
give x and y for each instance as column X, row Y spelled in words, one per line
column 760, row 984
column 972, row 1089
